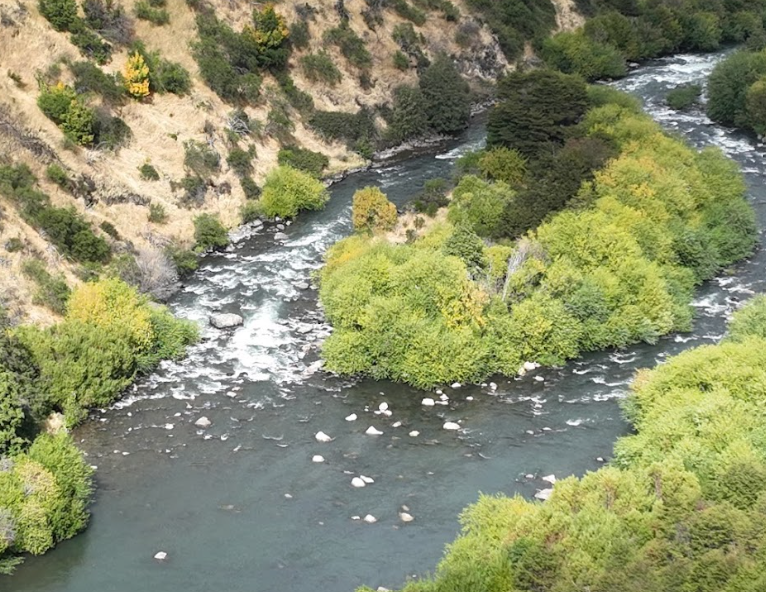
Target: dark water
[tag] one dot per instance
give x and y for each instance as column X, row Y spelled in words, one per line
column 216, row 500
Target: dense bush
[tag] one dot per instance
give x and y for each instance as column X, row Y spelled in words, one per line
column 108, row 19
column 319, row 67
column 371, row 211
column 90, row 44
column 304, row 160
column 148, row 172
column 350, row 44
column 409, row 118
column 64, row 227
column 209, row 233
column 356, row 129
column 52, row 291
column 153, row 11
column 62, row 14
column 230, row 62
column 576, row 53
column 90, row 78
column 736, row 91
column 58, row 175
column 288, row 191
column 250, row 188
column 620, row 268
column 241, row 161
column 164, row 76
column 446, row 96
column 200, row 158
column 157, row 213
column 684, row 97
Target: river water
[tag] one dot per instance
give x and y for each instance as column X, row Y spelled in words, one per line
column 241, row 507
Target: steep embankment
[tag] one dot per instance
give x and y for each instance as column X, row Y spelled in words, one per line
column 109, row 184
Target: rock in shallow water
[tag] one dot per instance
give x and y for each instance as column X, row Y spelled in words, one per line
column 161, row 556
column 372, row 431
column 406, row 517
column 322, row 437
column 358, row 482
column 370, row 519
column 544, row 494
column 203, row 422
column 317, row 458
column 451, row 425
column 226, row 320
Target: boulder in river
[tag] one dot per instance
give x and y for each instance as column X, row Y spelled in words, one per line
column 280, row 236
column 352, row 417
column 160, row 556
column 226, row 320
column 372, row 431
column 428, row 402
column 370, row 519
column 358, row 482
column 322, row 437
column 544, row 494
column 203, row 422
column 451, row 425
column 406, row 517
column 317, row 458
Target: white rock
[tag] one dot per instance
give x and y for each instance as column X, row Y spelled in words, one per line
column 428, row 402
column 370, row 519
column 529, row 476
column 382, row 589
column 280, row 236
column 456, row 385
column 405, row 517
column 383, row 406
column 322, row 437
column 544, row 494
column 226, row 320
column 352, row 417
column 396, row 424
column 405, row 508
column 521, row 371
column 451, row 425
column 529, row 366
column 600, row 459
column 539, row 378
column 371, row 431
column 160, row 556
column 356, row 517
column 438, row 391
column 550, row 479
column 493, row 386
column 443, row 397
column 387, row 413
column 203, row 422
column 317, row 458
column 367, row 480
column 414, row 434
column 358, row 482
column 169, row 426
column 288, row 496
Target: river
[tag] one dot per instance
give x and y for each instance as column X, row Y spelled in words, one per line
column 241, row 507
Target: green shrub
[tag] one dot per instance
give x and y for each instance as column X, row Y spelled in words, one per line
column 58, row 175
column 401, row 61
column 409, row 117
column 209, row 233
column 90, row 78
column 109, row 229
column 300, row 36
column 14, row 245
column 305, row 160
column 503, row 164
column 156, row 15
column 684, row 96
column 111, row 132
column 250, row 188
column 446, row 96
column 201, row 159
column 405, row 10
column 250, row 212
column 55, row 101
column 356, row 129
column 240, row 160
column 164, row 76
column 157, row 213
column 186, row 261
column 148, row 172
column 52, row 291
column 300, row 100
column 108, row 19
column 62, row 14
column 319, row 67
column 749, row 321
column 350, row 44
column 371, row 211
column 576, row 53
column 79, row 124
column 91, row 45
column 195, row 190
column 433, row 197
column 288, row 190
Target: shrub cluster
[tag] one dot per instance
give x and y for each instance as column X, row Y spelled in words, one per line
column 154, row 11
column 371, row 211
column 350, row 44
column 680, row 508
column 64, row 227
column 230, row 62
column 209, row 233
column 52, row 291
column 304, row 160
column 288, row 191
column 319, row 67
column 737, row 91
column 618, row 269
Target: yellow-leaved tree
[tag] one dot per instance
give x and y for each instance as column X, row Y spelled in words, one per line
column 372, row 211
column 136, row 75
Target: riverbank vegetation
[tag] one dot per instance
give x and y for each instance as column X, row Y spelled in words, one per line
column 619, row 32
column 681, row 507
column 594, row 234
column 737, row 91
column 110, row 335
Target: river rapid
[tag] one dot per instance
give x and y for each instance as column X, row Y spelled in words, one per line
column 241, row 507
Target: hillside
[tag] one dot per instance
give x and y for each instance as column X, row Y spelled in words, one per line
column 106, row 185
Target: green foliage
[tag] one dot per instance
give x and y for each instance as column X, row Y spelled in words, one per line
column 148, row 172
column 52, row 291
column 200, row 158
column 250, row 212
column 684, row 97
column 304, row 160
column 240, row 160
column 409, row 12
column 64, row 227
column 55, row 101
column 534, row 110
column 209, row 233
column 319, row 67
column 157, row 15
column 749, row 321
column 576, row 53
column 90, row 44
column 164, row 76
column 350, row 44
column 371, row 211
column 409, row 118
column 185, row 260
column 250, row 188
column 58, row 175
column 433, row 197
column 300, row 36
column 503, row 164
column 157, row 213
column 735, row 91
column 62, row 14
column 90, row 78
column 446, row 96
column 653, row 219
column 288, row 190
column 356, row 129
column 62, row 105
column 401, row 61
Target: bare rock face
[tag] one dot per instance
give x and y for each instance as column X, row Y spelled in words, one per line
column 226, row 320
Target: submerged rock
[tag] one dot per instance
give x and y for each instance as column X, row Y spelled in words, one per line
column 226, row 320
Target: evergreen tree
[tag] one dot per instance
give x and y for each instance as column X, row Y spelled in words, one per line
column 447, row 97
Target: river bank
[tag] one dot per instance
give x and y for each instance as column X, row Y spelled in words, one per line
column 186, row 491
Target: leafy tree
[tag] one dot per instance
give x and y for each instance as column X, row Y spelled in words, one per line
column 136, row 75
column 446, row 96
column 209, row 233
column 371, row 210
column 288, row 190
column 576, row 53
column 728, row 86
column 755, row 106
column 62, row 14
column 409, row 118
column 503, row 164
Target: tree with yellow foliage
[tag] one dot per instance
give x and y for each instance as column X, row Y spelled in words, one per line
column 136, row 75
column 371, row 210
